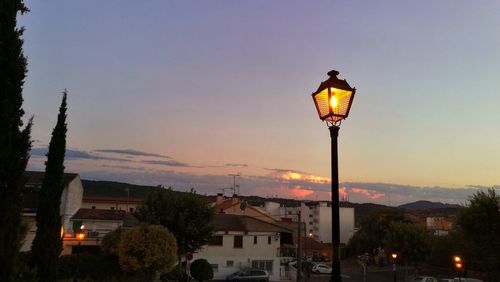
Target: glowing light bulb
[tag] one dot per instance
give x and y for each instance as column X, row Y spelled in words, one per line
column 333, row 102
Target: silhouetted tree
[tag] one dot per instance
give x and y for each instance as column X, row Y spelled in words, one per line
column 409, row 240
column 372, row 231
column 48, row 243
column 186, row 215
column 15, row 142
column 480, row 224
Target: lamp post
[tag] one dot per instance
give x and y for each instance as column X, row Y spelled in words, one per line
column 394, row 257
column 79, row 237
column 458, row 265
column 333, row 101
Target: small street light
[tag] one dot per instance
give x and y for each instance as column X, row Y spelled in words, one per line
column 458, row 265
column 333, row 101
column 79, row 237
column 394, row 257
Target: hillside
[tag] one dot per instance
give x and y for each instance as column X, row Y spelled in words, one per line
column 114, row 189
column 427, row 205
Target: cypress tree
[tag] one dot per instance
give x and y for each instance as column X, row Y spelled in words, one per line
column 48, row 243
column 15, row 141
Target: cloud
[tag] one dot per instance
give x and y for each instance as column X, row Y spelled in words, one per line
column 236, row 165
column 74, row 154
column 284, row 183
column 370, row 194
column 131, row 152
column 167, row 163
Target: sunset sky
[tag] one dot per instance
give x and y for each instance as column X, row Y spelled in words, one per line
column 183, row 93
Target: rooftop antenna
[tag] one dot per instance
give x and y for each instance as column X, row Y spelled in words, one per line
column 234, row 182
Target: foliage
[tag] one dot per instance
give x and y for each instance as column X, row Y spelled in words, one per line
column 15, row 141
column 95, row 267
column 110, row 242
column 147, row 249
column 201, row 270
column 409, row 240
column 178, row 273
column 372, row 231
column 480, row 224
column 186, row 215
column 444, row 247
column 47, row 244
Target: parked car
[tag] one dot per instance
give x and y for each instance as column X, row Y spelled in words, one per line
column 425, row 279
column 321, row 268
column 466, row 280
column 249, row 275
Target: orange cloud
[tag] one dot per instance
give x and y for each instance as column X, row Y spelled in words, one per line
column 295, row 175
column 370, row 194
column 342, row 193
column 299, row 192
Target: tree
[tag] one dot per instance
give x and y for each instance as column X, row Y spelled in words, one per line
column 201, row 270
column 372, row 231
column 147, row 249
column 480, row 224
column 110, row 242
column 47, row 245
column 186, row 215
column 409, row 240
column 15, row 141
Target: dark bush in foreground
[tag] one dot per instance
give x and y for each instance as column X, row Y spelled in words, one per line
column 201, row 270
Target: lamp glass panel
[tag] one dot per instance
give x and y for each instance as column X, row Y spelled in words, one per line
column 341, row 103
column 322, row 102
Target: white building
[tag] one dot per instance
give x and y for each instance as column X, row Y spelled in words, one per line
column 317, row 216
column 71, row 200
column 245, row 242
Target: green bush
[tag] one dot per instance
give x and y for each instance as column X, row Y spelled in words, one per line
column 201, row 270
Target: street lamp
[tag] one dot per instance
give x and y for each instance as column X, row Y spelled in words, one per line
column 79, row 237
column 333, row 101
column 458, row 265
column 394, row 257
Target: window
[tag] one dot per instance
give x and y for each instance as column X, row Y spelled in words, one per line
column 215, row 267
column 255, row 240
column 310, row 223
column 289, row 212
column 112, row 208
column 93, row 207
column 263, row 265
column 215, row 241
column 229, row 263
column 310, row 215
column 269, row 240
column 238, row 241
column 131, row 209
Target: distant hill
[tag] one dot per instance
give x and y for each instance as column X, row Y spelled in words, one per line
column 114, row 189
column 427, row 205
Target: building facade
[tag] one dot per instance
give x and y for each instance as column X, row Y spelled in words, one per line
column 243, row 242
column 317, row 216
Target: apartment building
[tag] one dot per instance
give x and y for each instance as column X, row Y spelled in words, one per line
column 317, row 216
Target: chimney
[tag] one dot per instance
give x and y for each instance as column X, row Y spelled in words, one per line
column 219, row 199
column 235, row 199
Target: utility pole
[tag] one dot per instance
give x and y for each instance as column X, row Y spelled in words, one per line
column 299, row 249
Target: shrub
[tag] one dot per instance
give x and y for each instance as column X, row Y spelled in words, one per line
column 201, row 270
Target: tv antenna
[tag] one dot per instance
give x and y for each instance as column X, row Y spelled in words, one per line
column 234, row 182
